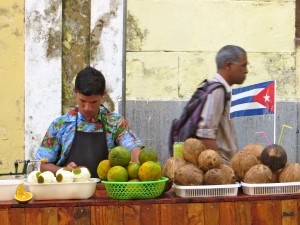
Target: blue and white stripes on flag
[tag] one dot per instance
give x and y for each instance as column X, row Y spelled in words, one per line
column 253, row 100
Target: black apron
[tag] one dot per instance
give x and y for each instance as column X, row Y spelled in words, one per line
column 88, row 149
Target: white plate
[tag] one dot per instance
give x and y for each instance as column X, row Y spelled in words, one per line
column 8, row 189
column 72, row 190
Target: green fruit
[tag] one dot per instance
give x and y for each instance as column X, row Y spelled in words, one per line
column 148, row 154
column 119, row 156
column 117, row 174
column 132, row 170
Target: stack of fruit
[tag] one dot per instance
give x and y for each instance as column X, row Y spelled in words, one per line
column 124, row 179
column 119, row 168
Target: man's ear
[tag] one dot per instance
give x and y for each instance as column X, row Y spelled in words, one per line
column 105, row 92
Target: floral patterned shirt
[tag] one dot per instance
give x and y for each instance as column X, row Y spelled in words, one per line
column 58, row 139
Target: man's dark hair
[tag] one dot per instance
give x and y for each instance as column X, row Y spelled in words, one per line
column 90, row 81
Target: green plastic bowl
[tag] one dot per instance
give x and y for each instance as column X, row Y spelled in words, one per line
column 135, row 190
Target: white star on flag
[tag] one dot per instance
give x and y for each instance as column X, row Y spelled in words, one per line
column 267, row 98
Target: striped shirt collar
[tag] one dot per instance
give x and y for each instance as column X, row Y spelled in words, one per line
column 219, row 78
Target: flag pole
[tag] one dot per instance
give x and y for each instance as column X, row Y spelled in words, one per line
column 275, row 84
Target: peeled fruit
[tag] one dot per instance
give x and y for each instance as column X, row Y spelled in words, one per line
column 274, row 156
column 209, row 159
column 132, row 170
column 21, row 195
column 119, row 156
column 171, row 165
column 188, row 175
column 33, row 176
column 258, row 174
column 290, row 173
column 81, row 174
column 148, row 154
column 64, row 176
column 216, row 177
column 150, row 171
column 103, row 168
column 46, row 177
column 254, row 149
column 191, row 149
column 241, row 162
column 117, row 174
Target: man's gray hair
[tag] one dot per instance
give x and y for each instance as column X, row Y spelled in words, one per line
column 229, row 53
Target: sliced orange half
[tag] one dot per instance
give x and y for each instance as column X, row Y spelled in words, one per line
column 23, row 198
column 21, row 195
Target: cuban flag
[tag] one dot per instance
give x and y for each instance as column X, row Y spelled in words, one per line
column 253, row 100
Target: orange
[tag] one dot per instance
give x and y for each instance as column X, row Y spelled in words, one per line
column 132, row 170
column 117, row 174
column 21, row 195
column 150, row 171
column 119, row 156
column 148, row 154
column 103, row 168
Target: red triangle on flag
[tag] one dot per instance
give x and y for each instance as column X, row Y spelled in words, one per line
column 266, row 97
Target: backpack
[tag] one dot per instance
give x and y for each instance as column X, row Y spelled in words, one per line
column 185, row 127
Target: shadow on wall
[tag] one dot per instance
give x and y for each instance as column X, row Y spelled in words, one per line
column 151, row 121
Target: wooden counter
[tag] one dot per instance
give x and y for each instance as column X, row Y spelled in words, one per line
column 169, row 209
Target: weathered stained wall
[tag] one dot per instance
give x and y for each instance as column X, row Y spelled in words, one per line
column 172, row 45
column 11, row 82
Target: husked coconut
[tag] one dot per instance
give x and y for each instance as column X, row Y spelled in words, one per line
column 290, row 173
column 191, row 149
column 254, row 149
column 230, row 173
column 216, row 177
column 274, row 156
column 188, row 175
column 258, row 174
column 209, row 159
column 171, row 165
column 241, row 162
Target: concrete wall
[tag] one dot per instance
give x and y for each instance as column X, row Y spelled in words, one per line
column 11, row 82
column 171, row 45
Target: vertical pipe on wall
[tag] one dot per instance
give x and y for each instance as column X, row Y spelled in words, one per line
column 124, row 59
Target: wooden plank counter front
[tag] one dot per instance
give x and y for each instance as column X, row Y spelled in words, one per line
column 168, row 209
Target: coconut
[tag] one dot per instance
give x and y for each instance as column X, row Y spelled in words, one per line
column 191, row 149
column 216, row 177
column 258, row 174
column 209, row 159
column 290, row 173
column 241, row 162
column 230, row 173
column 171, row 165
column 254, row 149
column 188, row 175
column 274, row 156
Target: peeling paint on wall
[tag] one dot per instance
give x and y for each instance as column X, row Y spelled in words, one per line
column 135, row 35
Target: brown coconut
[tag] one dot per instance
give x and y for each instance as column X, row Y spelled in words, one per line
column 188, row 175
column 191, row 149
column 171, row 165
column 241, row 162
column 274, row 156
column 290, row 173
column 230, row 173
column 258, row 174
column 209, row 159
column 216, row 177
column 254, row 149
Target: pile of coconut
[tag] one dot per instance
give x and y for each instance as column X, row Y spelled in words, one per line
column 253, row 164
column 259, row 164
column 198, row 166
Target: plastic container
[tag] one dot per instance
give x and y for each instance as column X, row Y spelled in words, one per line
column 72, row 190
column 271, row 188
column 135, row 190
column 207, row 190
column 8, row 189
